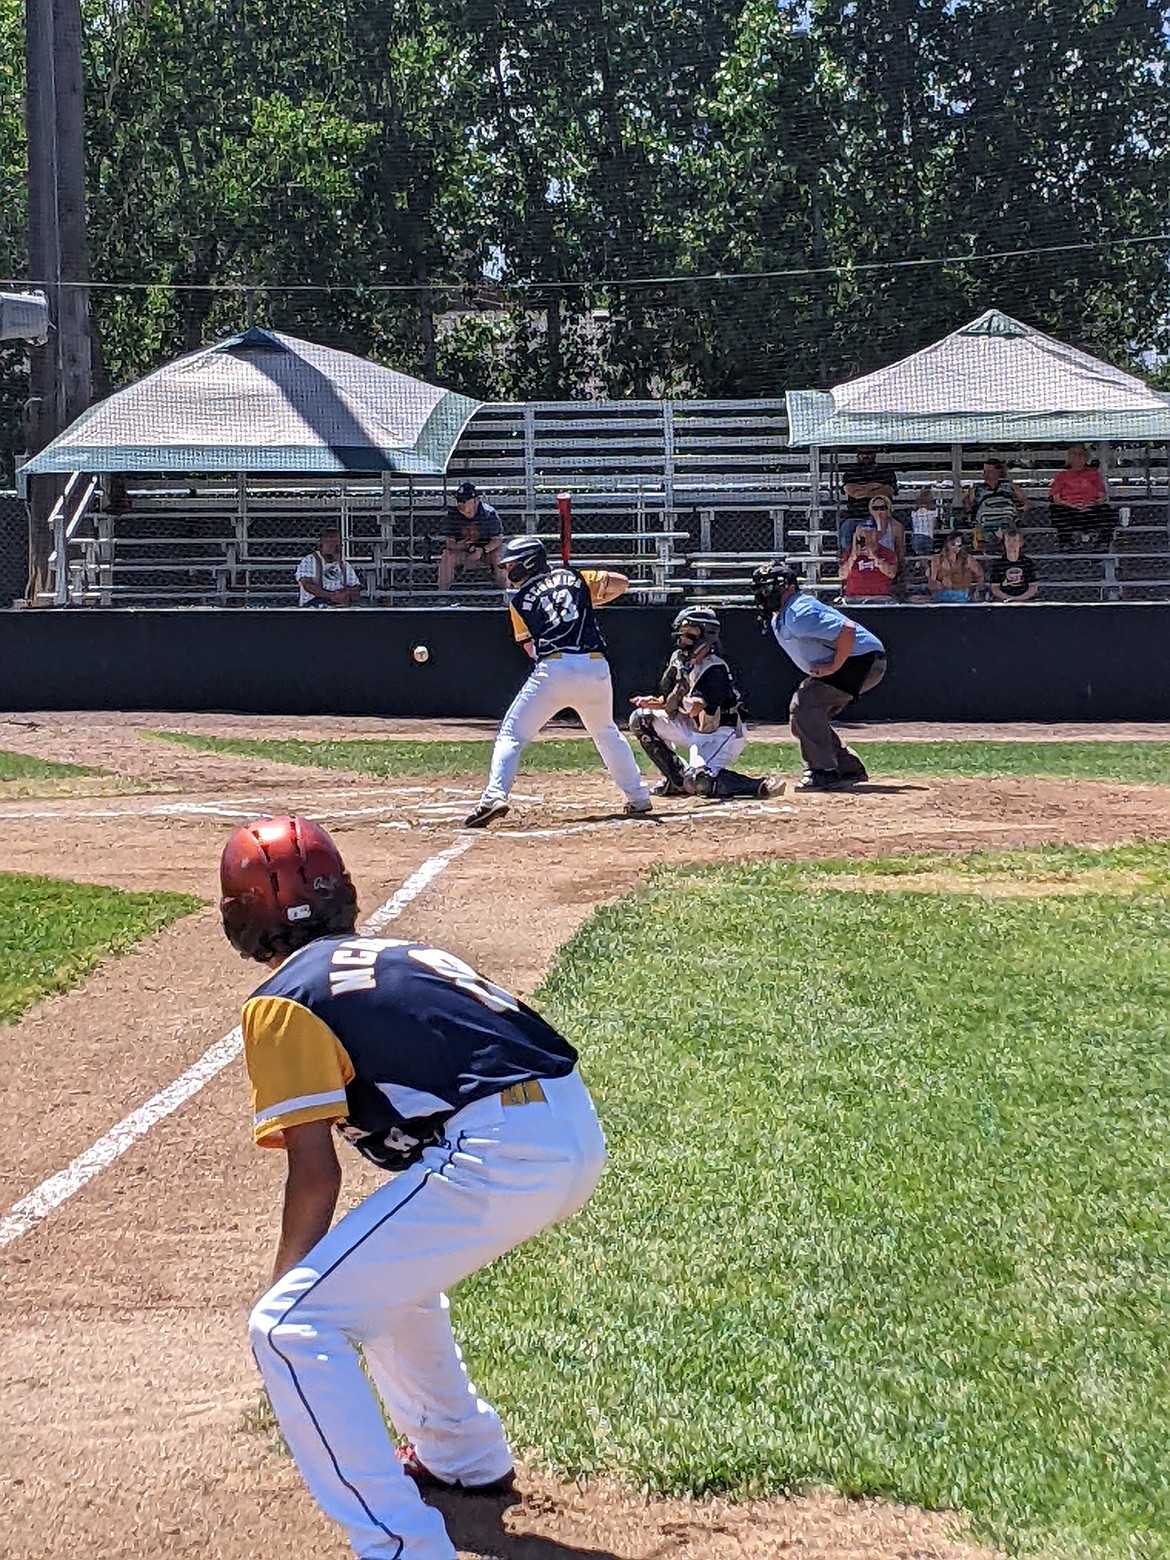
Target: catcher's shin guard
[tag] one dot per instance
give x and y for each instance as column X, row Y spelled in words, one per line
column 730, row 784
column 660, row 754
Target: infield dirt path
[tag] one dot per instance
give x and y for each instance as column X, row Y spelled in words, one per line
column 127, row 1387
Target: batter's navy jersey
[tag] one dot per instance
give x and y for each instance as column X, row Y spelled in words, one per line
column 555, row 611
column 387, row 1039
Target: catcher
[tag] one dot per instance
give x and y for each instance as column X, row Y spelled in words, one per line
column 697, row 711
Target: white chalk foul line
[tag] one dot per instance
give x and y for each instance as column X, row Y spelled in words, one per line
column 29, row 1211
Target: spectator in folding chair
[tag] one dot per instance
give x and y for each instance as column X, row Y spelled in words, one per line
column 995, row 503
column 472, row 534
column 1078, row 503
column 954, row 575
column 324, row 578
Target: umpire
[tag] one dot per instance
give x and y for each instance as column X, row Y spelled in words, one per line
column 840, row 659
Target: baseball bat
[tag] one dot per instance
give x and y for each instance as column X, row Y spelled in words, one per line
column 565, row 510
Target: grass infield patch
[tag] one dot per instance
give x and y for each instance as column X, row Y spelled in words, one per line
column 888, row 1207
column 22, row 776
column 1128, row 762
column 53, row 933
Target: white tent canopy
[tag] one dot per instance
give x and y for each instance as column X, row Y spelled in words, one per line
column 265, row 402
column 993, row 381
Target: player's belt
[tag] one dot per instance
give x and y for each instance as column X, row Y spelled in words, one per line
column 555, row 655
column 527, row 1093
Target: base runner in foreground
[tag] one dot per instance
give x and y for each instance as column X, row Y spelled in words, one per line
column 553, row 617
column 841, row 660
column 430, row 1071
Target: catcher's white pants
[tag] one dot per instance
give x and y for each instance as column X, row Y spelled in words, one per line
column 574, row 682
column 375, row 1281
column 713, row 750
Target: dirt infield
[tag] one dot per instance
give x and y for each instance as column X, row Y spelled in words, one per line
column 125, row 1400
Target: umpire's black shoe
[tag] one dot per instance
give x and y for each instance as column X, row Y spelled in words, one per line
column 820, row 780
column 667, row 788
column 485, row 813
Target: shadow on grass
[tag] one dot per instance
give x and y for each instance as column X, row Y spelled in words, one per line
column 476, row 1523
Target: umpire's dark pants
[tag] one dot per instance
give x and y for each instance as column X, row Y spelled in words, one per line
column 814, row 705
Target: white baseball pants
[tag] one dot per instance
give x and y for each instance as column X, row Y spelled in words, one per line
column 576, row 682
column 713, row 750
column 374, row 1282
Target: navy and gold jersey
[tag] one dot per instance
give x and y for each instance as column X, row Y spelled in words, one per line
column 555, row 611
column 386, row 1039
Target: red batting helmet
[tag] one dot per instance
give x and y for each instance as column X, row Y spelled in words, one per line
column 284, row 883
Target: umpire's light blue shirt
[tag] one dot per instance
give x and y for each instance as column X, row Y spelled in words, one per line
column 807, row 630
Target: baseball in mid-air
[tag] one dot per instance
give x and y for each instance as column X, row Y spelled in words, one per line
column 421, row 654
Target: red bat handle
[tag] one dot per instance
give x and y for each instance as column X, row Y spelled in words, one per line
column 565, row 510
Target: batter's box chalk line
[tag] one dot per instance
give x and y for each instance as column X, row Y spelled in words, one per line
column 29, row 1211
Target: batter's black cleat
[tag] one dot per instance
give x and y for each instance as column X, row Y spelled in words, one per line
column 416, row 1469
column 485, row 813
column 820, row 780
column 638, row 809
column 855, row 776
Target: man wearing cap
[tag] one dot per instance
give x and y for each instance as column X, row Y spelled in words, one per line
column 840, row 659
column 471, row 532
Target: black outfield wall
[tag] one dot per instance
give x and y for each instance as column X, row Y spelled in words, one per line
column 1040, row 663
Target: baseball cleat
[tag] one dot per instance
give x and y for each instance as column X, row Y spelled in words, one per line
column 416, row 1469
column 667, row 788
column 772, row 786
column 484, row 814
column 855, row 776
column 638, row 809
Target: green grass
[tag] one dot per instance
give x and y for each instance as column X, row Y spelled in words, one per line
column 889, row 1201
column 53, row 933
column 19, row 766
column 1128, row 762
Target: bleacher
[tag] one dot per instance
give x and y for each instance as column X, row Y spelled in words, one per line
column 685, row 497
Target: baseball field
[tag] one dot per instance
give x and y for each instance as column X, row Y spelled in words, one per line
column 879, row 1267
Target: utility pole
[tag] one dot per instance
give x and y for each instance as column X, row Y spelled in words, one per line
column 59, row 380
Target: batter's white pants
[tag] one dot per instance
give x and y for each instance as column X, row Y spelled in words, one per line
column 713, row 750
column 374, row 1282
column 574, row 682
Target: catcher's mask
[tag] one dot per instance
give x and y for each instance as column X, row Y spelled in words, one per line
column 523, row 558
column 771, row 582
column 284, row 884
column 695, row 627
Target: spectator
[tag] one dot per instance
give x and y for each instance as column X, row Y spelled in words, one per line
column 869, row 568
column 472, row 533
column 995, row 502
column 324, row 577
column 954, row 575
column 1013, row 577
column 1078, row 501
column 923, row 521
column 864, row 480
column 891, row 531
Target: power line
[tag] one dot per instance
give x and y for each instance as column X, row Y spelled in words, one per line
column 600, row 284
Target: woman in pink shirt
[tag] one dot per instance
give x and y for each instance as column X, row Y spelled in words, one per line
column 1078, row 501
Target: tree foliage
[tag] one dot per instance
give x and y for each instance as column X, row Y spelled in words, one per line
column 595, row 199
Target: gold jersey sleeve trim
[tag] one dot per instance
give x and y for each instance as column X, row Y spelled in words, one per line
column 297, row 1066
column 519, row 628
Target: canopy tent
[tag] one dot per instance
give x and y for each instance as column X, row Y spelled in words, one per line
column 994, row 381
column 264, row 402
column 24, row 316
